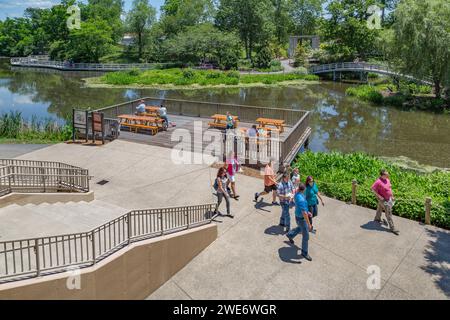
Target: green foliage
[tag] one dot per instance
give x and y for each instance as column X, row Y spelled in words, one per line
column 300, row 57
column 139, row 21
column 263, row 58
column 189, row 76
column 14, row 128
column 366, row 93
column 334, row 173
column 134, row 72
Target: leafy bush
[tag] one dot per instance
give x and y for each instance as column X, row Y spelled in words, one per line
column 188, row 73
column 334, row 173
column 134, row 72
column 365, row 92
column 233, row 74
column 263, row 58
column 301, row 70
column 397, row 100
column 301, row 57
column 213, row 75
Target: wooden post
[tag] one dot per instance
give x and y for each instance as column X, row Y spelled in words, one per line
column 428, row 210
column 354, row 185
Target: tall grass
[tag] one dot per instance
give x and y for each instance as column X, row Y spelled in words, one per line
column 15, row 128
column 186, row 77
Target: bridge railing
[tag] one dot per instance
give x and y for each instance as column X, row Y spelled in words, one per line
column 34, row 257
column 27, row 176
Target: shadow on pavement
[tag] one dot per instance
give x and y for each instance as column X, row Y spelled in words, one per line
column 437, row 255
column 260, row 205
column 374, row 226
column 290, row 254
column 275, row 231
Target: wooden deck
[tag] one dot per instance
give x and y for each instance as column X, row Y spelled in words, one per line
column 163, row 138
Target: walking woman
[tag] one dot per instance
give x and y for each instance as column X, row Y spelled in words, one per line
column 221, row 187
column 311, row 194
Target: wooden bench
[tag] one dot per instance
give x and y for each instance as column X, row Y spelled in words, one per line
column 220, row 121
column 264, row 122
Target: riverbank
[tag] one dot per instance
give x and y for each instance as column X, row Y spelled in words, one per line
column 195, row 79
column 334, row 173
column 410, row 97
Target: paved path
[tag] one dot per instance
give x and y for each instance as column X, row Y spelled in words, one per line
column 251, row 259
column 15, row 150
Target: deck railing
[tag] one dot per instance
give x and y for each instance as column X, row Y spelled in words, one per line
column 35, row 257
column 28, row 176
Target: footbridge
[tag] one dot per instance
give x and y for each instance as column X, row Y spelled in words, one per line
column 361, row 67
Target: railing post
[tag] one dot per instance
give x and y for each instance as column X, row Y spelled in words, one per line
column 187, row 216
column 354, row 186
column 37, row 255
column 129, row 226
column 428, row 210
column 9, row 178
column 161, row 224
column 93, row 246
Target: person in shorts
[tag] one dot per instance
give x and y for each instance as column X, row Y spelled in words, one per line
column 232, row 167
column 270, row 184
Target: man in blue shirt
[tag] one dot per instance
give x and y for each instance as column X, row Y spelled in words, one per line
column 302, row 218
column 141, row 108
column 285, row 192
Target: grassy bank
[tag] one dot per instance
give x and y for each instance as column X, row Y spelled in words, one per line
column 189, row 78
column 411, row 96
column 334, row 173
column 14, row 129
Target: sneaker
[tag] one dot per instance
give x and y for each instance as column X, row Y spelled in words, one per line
column 275, row 203
column 282, row 225
column 378, row 220
column 256, row 197
column 396, row 232
column 290, row 239
column 307, row 257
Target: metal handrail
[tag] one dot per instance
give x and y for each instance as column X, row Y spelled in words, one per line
column 39, row 256
column 362, row 66
column 41, row 176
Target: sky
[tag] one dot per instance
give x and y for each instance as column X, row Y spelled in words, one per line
column 15, row 8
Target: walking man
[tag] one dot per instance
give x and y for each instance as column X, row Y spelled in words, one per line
column 302, row 218
column 383, row 191
column 270, row 184
column 286, row 194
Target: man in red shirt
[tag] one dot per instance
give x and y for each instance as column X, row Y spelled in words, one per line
column 383, row 191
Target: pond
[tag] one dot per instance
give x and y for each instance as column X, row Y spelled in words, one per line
column 338, row 122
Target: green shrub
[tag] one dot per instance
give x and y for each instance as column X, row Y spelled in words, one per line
column 188, row 73
column 263, row 58
column 213, row 75
column 334, row 173
column 233, row 74
column 365, row 92
column 396, row 100
column 301, row 70
column 134, row 72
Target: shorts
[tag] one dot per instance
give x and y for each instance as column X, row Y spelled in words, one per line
column 231, row 178
column 270, row 188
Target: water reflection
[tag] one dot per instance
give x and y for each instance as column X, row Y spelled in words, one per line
column 338, row 122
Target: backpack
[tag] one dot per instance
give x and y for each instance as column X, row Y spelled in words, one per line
column 216, row 185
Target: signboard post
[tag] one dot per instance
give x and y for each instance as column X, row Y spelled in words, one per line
column 98, row 125
column 80, row 123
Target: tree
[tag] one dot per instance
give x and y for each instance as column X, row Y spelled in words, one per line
column 282, row 20
column 89, row 43
column 418, row 43
column 263, row 58
column 305, row 15
column 301, row 57
column 252, row 19
column 346, row 29
column 177, row 15
column 204, row 42
column 107, row 10
column 139, row 21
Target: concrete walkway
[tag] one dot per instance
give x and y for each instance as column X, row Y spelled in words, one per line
column 251, row 258
column 16, row 150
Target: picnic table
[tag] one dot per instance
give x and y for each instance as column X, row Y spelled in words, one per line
column 220, row 121
column 153, row 124
column 265, row 122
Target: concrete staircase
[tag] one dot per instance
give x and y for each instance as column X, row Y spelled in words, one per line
column 31, row 221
